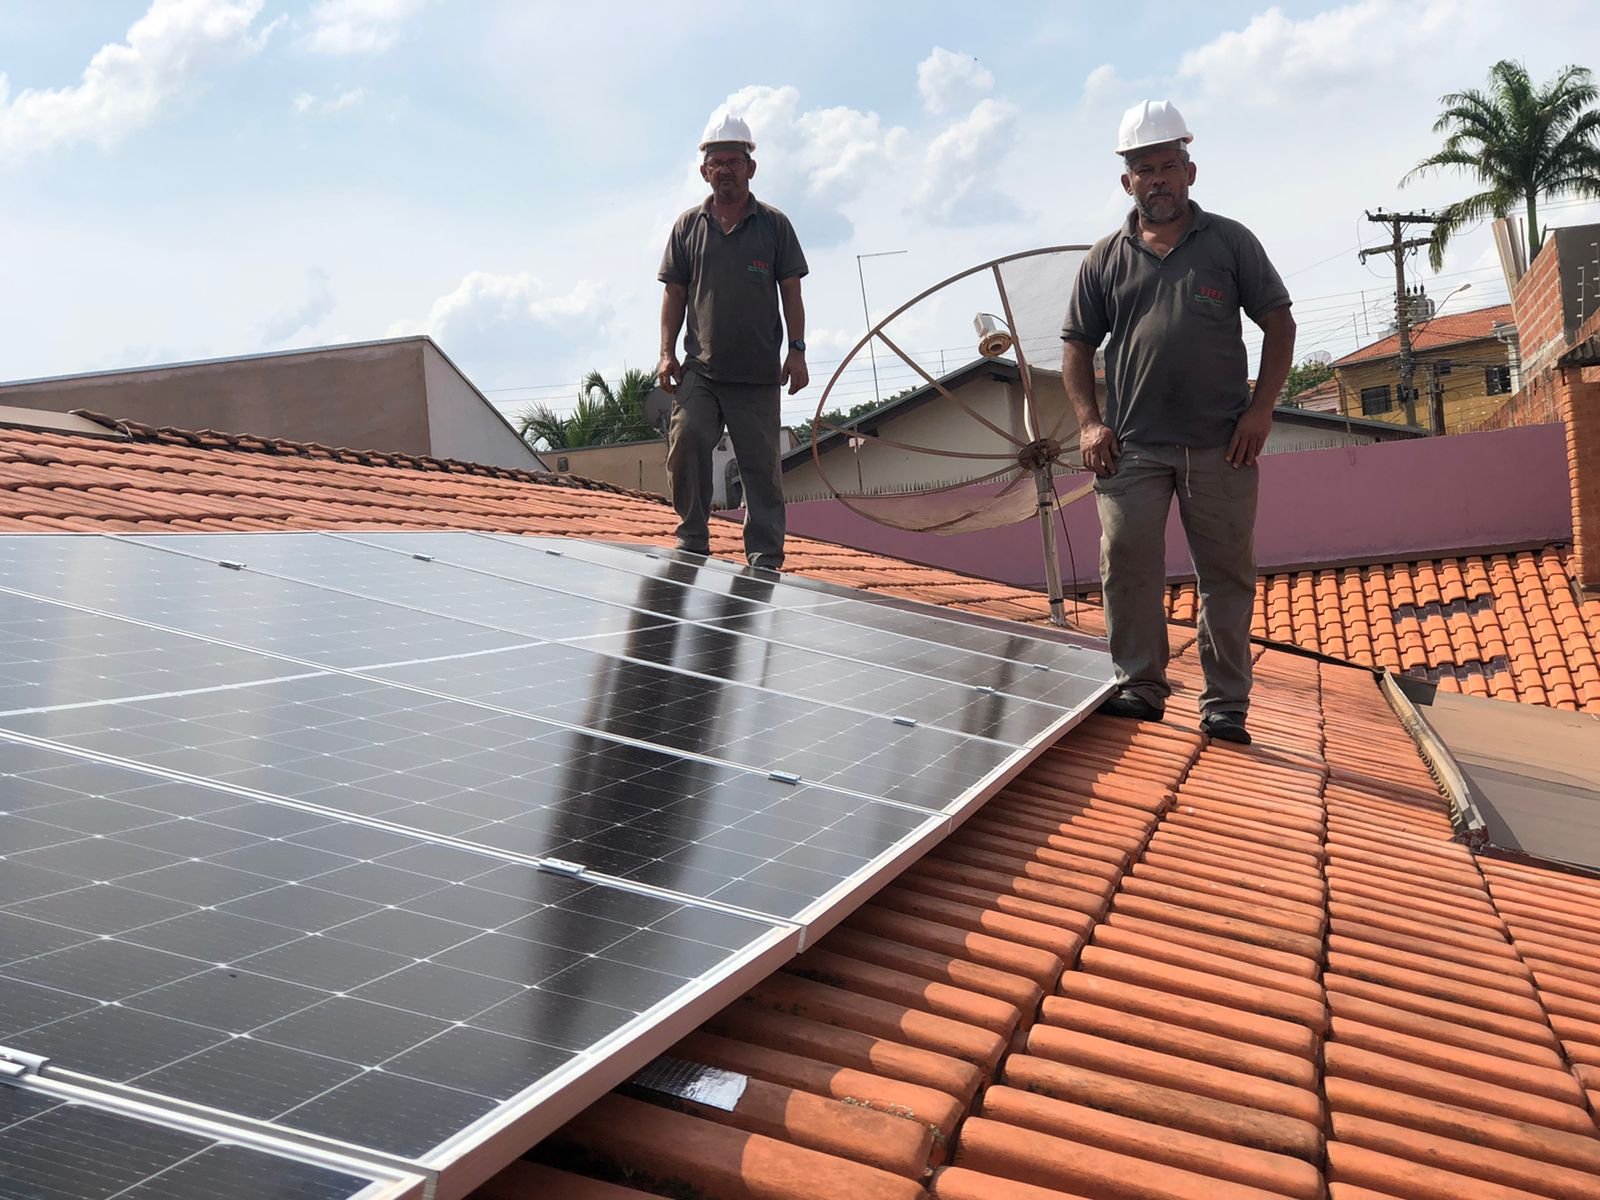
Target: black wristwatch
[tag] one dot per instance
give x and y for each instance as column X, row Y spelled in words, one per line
column 798, row 344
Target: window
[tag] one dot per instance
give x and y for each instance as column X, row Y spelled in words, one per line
column 1497, row 380
column 1375, row 401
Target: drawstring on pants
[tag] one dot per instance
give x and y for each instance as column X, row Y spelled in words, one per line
column 1188, row 491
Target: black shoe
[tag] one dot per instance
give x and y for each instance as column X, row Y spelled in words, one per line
column 1125, row 704
column 1225, row 727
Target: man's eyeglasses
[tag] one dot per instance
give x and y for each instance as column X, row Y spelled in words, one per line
column 727, row 164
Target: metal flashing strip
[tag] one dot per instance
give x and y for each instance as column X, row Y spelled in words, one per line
column 1465, row 813
column 694, row 1082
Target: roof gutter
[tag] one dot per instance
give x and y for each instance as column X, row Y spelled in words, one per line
column 1465, row 813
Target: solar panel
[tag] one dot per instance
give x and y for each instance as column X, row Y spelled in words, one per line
column 660, row 622
column 400, row 842
column 319, row 975
column 57, row 1149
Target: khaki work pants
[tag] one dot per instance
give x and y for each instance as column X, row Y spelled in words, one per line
column 1217, row 505
column 750, row 412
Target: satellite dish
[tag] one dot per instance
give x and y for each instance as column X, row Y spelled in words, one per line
column 1320, row 357
column 658, row 409
column 985, row 461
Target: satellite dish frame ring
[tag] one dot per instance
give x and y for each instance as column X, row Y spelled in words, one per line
column 876, row 330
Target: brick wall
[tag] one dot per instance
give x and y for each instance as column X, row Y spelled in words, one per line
column 1579, row 392
column 1539, row 310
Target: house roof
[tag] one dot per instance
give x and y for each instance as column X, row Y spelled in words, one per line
column 1263, row 971
column 1505, row 626
column 913, row 399
column 1435, row 333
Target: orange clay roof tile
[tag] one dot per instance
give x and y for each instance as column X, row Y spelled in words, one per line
column 1173, row 961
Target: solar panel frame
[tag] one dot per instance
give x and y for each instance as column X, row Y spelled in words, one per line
column 90, row 732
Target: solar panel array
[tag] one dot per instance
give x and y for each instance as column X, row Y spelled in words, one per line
column 387, row 844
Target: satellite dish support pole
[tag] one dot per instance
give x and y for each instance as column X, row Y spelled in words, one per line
column 1052, row 563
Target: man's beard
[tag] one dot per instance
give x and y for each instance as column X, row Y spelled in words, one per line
column 1160, row 210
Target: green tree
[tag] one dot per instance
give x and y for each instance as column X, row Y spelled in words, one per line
column 1304, row 377
column 601, row 417
column 1520, row 142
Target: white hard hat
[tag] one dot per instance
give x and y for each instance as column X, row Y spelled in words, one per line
column 1150, row 123
column 725, row 127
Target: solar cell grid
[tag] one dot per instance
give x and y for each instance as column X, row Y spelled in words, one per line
column 297, row 976
column 243, row 607
column 341, row 631
column 54, row 1150
column 55, row 656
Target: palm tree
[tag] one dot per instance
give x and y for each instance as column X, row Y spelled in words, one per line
column 1520, row 142
column 601, row 417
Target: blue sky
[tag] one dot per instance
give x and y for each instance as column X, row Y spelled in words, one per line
column 183, row 179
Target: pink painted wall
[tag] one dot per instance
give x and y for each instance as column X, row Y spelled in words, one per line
column 1389, row 501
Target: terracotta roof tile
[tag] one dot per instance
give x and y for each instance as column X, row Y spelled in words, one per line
column 1508, row 626
column 1266, row 970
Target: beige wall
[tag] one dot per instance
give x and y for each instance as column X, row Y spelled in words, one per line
column 402, row 396
column 638, row 465
column 938, row 425
column 365, row 397
column 463, row 425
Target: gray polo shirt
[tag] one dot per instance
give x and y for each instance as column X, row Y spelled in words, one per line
column 1176, row 368
column 735, row 332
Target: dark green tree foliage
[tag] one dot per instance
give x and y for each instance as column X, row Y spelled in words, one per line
column 1304, row 377
column 1520, row 142
column 601, row 417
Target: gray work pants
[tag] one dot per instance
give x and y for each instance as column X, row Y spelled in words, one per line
column 1217, row 505
column 750, row 412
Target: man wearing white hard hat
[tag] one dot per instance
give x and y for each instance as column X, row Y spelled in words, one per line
column 728, row 263
column 1167, row 290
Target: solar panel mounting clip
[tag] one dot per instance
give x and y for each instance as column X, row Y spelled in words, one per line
column 561, row 866
column 15, row 1064
column 228, row 564
column 986, row 689
column 908, row 722
column 783, row 776
column 423, row 557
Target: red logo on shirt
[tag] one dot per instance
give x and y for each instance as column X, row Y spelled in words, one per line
column 759, row 266
column 1214, row 295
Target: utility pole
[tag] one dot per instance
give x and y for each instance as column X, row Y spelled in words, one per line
column 1402, row 303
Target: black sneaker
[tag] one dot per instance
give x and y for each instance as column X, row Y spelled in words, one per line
column 1225, row 727
column 1126, row 704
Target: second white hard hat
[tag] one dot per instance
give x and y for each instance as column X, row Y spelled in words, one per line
column 725, row 127
column 1150, row 123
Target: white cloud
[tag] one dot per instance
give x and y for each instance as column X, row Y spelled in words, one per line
column 127, row 83
column 959, row 163
column 498, row 325
column 949, row 82
column 813, row 161
column 357, row 26
column 1101, row 83
column 306, row 316
column 1345, row 47
column 308, row 104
